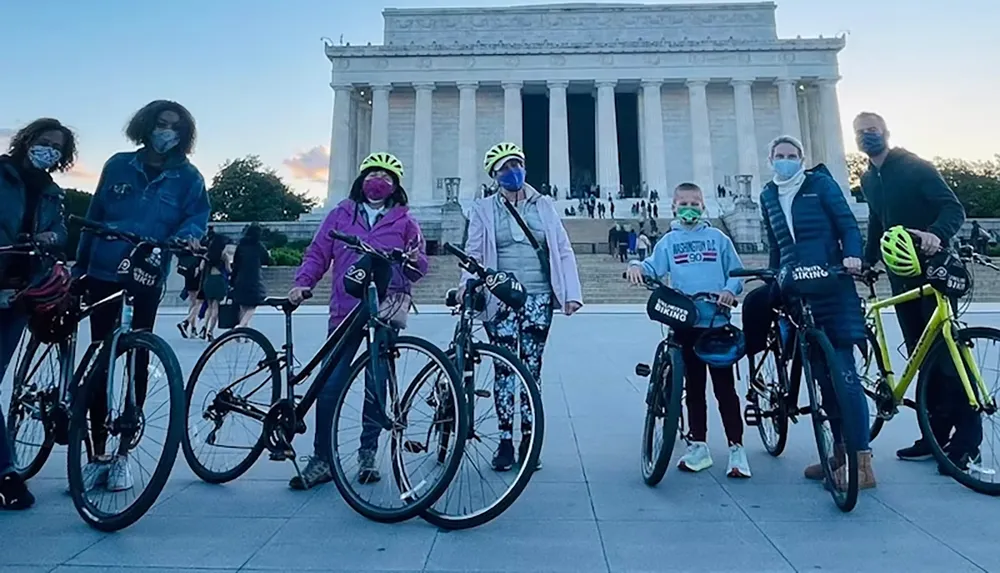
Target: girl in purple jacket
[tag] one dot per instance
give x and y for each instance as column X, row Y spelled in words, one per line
column 376, row 212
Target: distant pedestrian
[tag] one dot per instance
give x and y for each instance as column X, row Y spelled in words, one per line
column 248, row 289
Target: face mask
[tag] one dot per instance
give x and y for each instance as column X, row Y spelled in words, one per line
column 512, row 179
column 786, row 168
column 43, row 157
column 164, row 140
column 377, row 190
column 872, row 143
column 689, row 215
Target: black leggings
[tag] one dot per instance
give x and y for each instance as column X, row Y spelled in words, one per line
column 696, row 383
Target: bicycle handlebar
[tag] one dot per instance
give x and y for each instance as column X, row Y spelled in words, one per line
column 98, row 228
column 653, row 283
column 467, row 262
column 355, row 243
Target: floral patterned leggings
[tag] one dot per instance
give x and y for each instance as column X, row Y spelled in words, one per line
column 524, row 333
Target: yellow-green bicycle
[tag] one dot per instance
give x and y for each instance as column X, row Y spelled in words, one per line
column 944, row 338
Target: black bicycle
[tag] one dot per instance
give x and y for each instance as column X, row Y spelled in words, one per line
column 218, row 418
column 480, row 492
column 50, row 403
column 794, row 335
column 665, row 395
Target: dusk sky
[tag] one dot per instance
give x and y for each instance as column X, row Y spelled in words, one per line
column 254, row 74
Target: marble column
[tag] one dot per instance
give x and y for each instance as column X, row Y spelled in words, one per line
column 512, row 112
column 608, row 151
column 805, row 123
column 597, row 142
column 420, row 184
column 380, row 117
column 746, row 134
column 655, row 154
column 641, row 129
column 558, row 137
column 833, row 134
column 468, row 157
column 788, row 102
column 339, row 178
column 701, row 144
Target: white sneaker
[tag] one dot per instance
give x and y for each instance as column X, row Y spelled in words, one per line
column 739, row 467
column 697, row 458
column 95, row 474
column 120, row 474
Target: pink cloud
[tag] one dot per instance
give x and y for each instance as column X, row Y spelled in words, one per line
column 310, row 165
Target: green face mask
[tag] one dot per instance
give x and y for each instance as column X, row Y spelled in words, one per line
column 689, row 215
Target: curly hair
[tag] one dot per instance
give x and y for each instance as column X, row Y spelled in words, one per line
column 27, row 135
column 140, row 127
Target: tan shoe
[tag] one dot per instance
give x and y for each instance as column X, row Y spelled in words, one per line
column 815, row 471
column 866, row 476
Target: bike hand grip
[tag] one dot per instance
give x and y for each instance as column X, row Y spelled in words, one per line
column 453, row 250
column 306, row 295
column 743, row 273
column 345, row 238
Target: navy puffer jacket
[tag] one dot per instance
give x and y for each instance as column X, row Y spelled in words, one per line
column 826, row 232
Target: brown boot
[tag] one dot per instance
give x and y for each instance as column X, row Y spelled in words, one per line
column 866, row 476
column 815, row 471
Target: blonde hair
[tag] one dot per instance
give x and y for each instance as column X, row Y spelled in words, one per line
column 785, row 139
column 689, row 188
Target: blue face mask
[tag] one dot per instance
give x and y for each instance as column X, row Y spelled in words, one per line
column 43, row 157
column 164, row 140
column 511, row 179
column 786, row 168
column 872, row 143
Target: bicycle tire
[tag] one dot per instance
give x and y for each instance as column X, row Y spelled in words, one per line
column 779, row 396
column 667, row 387
column 37, row 462
column 270, row 356
column 871, row 388
column 817, row 341
column 431, row 494
column 485, row 515
column 79, row 433
column 940, row 351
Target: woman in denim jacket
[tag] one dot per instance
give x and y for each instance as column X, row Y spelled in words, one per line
column 33, row 207
column 154, row 192
column 549, row 275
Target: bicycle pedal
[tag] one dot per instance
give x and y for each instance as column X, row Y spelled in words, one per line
column 283, row 456
column 642, row 370
column 414, row 447
column 751, row 415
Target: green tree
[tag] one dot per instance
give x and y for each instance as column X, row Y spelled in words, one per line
column 977, row 184
column 857, row 164
column 77, row 203
column 245, row 191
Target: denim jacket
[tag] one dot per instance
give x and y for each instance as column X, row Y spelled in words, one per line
column 174, row 205
column 49, row 216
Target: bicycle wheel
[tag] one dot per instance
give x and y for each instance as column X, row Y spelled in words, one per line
column 769, row 396
column 871, row 371
column 663, row 406
column 35, row 418
column 980, row 470
column 840, row 471
column 385, row 433
column 478, row 493
column 108, row 479
column 239, row 371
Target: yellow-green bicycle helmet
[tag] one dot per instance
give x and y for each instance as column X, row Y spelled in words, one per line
column 386, row 161
column 899, row 252
column 499, row 153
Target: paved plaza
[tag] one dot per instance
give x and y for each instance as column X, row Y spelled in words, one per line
column 587, row 510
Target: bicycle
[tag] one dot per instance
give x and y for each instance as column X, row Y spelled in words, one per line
column 665, row 394
column 813, row 344
column 281, row 414
column 486, row 502
column 943, row 338
column 64, row 413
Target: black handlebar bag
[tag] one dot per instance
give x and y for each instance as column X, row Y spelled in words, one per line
column 141, row 272
column 507, row 289
column 804, row 281
column 948, row 274
column 670, row 307
column 365, row 270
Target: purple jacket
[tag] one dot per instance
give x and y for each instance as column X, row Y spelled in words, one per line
column 395, row 230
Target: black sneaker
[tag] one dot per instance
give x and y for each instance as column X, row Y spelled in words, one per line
column 14, row 495
column 503, row 460
column 919, row 451
column 317, row 472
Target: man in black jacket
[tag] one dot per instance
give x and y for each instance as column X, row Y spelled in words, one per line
column 903, row 189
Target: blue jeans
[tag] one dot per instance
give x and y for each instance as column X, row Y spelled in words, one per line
column 849, row 388
column 326, row 405
column 11, row 327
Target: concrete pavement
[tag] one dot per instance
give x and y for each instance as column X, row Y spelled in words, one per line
column 587, row 510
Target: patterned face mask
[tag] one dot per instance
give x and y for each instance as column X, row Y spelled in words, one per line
column 164, row 140
column 689, row 215
column 44, row 157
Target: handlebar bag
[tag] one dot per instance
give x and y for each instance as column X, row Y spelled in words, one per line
column 362, row 272
column 948, row 274
column 141, row 272
column 670, row 307
column 807, row 281
column 507, row 289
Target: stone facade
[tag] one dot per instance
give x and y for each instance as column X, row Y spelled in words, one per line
column 713, row 84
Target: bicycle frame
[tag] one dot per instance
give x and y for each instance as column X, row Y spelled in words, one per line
column 942, row 323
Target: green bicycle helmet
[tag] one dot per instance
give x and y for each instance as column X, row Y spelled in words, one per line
column 499, row 153
column 386, row 161
column 899, row 252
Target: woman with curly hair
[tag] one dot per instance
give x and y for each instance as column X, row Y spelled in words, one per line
column 154, row 192
column 33, row 208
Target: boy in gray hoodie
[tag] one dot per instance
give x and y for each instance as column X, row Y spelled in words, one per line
column 698, row 258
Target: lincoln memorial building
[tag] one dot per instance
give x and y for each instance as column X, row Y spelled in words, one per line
column 620, row 96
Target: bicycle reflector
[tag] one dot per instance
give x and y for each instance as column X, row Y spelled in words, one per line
column 669, row 307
